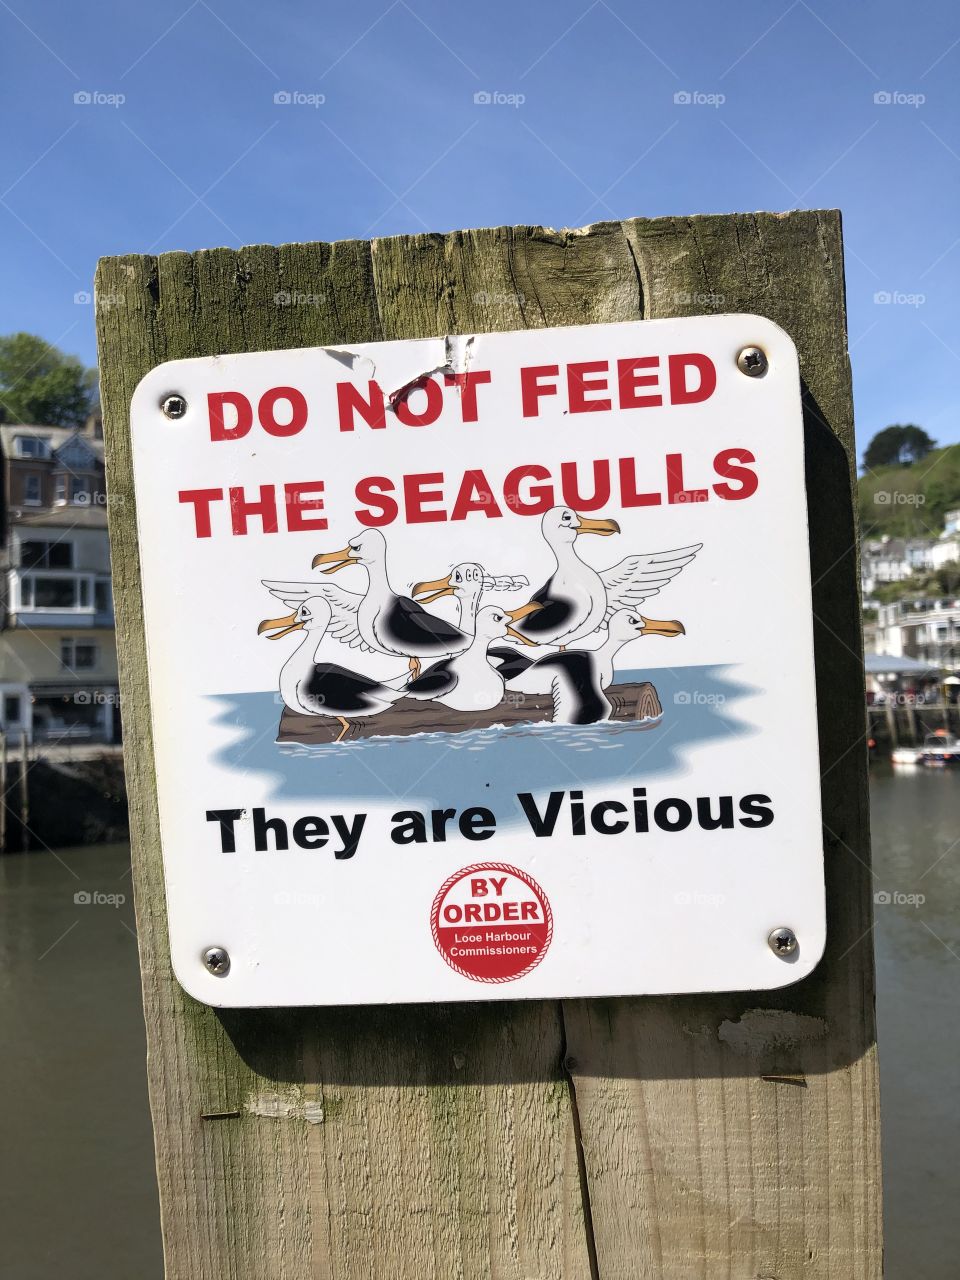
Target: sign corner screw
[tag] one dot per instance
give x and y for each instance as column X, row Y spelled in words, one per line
column 173, row 406
column 217, row 960
column 753, row 362
column 782, row 941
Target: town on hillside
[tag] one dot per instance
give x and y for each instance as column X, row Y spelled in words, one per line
column 910, row 580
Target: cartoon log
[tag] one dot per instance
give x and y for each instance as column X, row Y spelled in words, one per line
column 636, row 702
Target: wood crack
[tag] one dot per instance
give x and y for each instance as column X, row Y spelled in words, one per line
column 567, row 1066
column 641, row 293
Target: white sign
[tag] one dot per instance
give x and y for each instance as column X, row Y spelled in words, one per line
column 482, row 667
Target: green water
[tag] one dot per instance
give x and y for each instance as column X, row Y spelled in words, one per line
column 78, row 1196
column 915, row 819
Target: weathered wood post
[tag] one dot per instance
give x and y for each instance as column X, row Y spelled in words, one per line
column 731, row 1134
column 3, row 793
column 24, row 794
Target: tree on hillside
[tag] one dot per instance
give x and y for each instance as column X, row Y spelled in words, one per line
column 39, row 384
column 944, row 581
column 897, row 446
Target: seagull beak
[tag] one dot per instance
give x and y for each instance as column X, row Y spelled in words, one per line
column 335, row 559
column 287, row 624
column 438, row 586
column 516, row 615
column 517, row 636
column 603, row 527
column 651, row 627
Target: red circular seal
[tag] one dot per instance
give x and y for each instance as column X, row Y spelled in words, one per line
column 491, row 922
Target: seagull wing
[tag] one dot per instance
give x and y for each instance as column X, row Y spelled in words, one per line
column 409, row 618
column 436, row 680
column 343, row 607
column 635, row 578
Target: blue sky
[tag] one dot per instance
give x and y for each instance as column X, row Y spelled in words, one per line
column 199, row 154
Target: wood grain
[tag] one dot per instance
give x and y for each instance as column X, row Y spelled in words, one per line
column 627, row 1138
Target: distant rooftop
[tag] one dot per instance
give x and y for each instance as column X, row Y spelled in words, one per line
column 55, row 436
column 887, row 664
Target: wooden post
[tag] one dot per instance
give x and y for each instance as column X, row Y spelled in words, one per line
column 912, row 722
column 891, row 716
column 24, row 794
column 694, row 1136
column 3, row 793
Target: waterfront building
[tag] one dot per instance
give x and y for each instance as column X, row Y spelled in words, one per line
column 926, row 629
column 58, row 658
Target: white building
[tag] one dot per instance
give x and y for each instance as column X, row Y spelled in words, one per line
column 890, row 559
column 925, row 629
column 58, row 660
column 946, row 550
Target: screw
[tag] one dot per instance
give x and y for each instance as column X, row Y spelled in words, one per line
column 753, row 362
column 217, row 960
column 782, row 941
column 174, row 407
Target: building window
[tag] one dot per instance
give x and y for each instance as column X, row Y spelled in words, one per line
column 12, row 704
column 49, row 592
column 75, row 489
column 102, row 601
column 77, row 655
column 32, row 447
column 46, row 555
column 32, row 495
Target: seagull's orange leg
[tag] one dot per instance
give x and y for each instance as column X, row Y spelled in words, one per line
column 345, row 725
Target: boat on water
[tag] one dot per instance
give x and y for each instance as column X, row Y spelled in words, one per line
column 939, row 749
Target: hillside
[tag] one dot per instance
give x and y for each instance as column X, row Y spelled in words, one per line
column 911, row 501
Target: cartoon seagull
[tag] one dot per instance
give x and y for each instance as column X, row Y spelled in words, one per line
column 322, row 688
column 577, row 679
column 467, row 583
column 576, row 600
column 468, row 682
column 388, row 622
